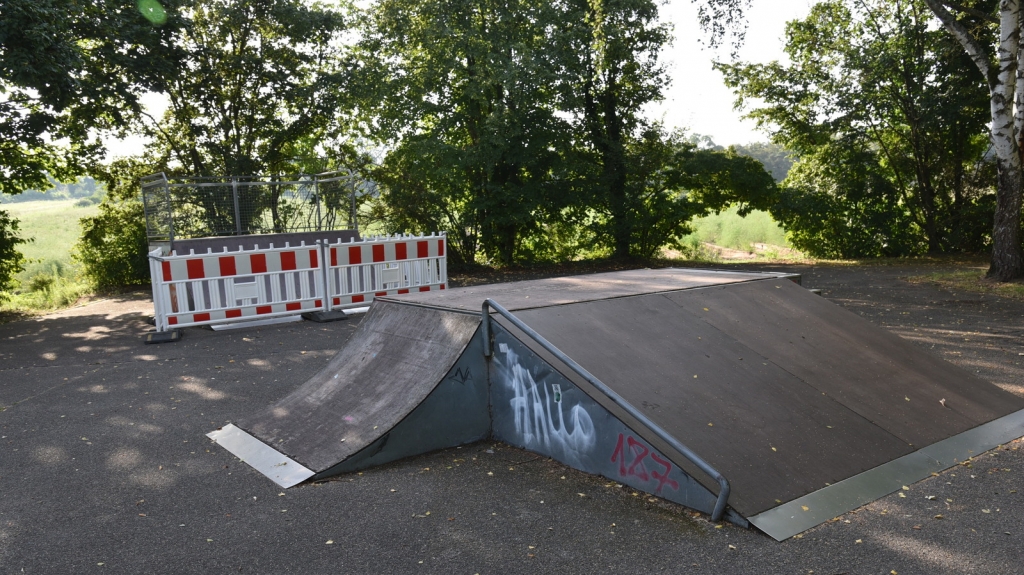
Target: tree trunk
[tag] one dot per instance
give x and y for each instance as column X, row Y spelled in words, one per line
column 1006, row 88
column 1007, row 261
column 615, row 179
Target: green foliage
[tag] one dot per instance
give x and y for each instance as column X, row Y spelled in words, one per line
column 691, row 247
column 776, row 159
column 670, row 181
column 612, row 72
column 53, row 284
column 68, row 68
column 514, row 131
column 654, row 209
column 887, row 117
column 569, row 239
column 112, row 249
column 11, row 260
column 850, row 215
column 731, row 230
column 465, row 94
column 258, row 88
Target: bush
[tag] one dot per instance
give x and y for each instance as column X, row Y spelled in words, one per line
column 52, row 285
column 113, row 246
column 12, row 261
column 112, row 249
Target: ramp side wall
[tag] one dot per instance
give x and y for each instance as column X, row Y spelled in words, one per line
column 455, row 413
column 534, row 407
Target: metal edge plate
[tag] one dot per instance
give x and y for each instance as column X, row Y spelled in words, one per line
column 815, row 508
column 281, row 469
column 256, row 322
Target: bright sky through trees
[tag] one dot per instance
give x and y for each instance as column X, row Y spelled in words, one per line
column 697, row 100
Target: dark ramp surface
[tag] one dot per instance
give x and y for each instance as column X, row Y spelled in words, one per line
column 390, row 365
column 776, row 432
column 572, row 289
column 874, row 373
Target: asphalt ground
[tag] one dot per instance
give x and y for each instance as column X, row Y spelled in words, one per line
column 105, row 467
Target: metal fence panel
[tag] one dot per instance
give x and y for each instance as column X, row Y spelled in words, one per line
column 183, row 208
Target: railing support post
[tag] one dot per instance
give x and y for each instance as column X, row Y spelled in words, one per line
column 485, row 326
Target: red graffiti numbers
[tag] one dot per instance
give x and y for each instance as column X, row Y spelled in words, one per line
column 629, row 448
column 662, row 478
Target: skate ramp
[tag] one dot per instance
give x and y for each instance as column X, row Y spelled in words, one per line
column 808, row 410
column 778, row 389
column 395, row 361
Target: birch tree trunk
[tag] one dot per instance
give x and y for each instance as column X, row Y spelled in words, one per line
column 1006, row 91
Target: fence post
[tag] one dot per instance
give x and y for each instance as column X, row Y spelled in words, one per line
column 170, row 211
column 316, row 192
column 355, row 220
column 156, row 281
column 238, row 212
column 325, row 267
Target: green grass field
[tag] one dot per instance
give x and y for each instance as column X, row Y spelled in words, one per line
column 730, row 230
column 50, row 278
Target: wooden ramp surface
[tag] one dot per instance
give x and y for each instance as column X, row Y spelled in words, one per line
column 780, row 390
column 393, row 361
column 573, row 289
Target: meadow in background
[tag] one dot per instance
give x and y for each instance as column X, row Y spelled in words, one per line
column 51, row 278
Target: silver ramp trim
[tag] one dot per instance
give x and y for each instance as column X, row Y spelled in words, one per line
column 280, row 468
column 815, row 508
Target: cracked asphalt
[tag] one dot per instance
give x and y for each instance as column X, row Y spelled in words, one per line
column 105, row 467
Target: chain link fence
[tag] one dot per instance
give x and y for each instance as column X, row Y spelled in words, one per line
column 184, row 208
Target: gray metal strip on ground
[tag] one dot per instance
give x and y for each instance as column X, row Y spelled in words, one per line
column 283, row 470
column 256, row 322
column 815, row 508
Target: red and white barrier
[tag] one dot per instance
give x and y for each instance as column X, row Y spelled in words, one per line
column 226, row 287
column 359, row 271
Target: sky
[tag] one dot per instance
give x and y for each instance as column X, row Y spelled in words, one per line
column 696, row 100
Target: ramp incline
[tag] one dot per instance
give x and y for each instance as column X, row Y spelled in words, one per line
column 391, row 364
column 780, row 390
column 807, row 409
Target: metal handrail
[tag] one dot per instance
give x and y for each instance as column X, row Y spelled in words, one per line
column 724, row 489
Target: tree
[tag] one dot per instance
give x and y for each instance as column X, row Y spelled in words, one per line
column 888, row 125
column 251, row 82
column 467, row 106
column 775, row 158
column 999, row 62
column 68, row 68
column 611, row 73
column 113, row 246
column 11, row 260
